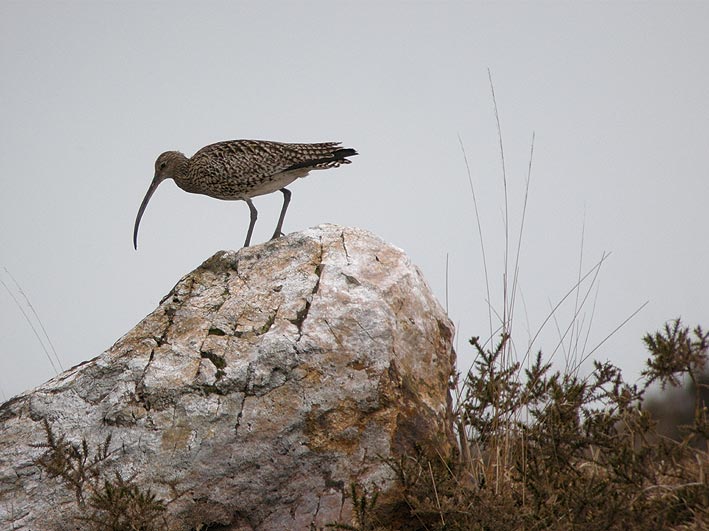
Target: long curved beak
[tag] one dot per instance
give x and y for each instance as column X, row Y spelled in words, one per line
column 148, row 195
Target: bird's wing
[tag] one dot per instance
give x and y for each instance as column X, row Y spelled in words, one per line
column 259, row 158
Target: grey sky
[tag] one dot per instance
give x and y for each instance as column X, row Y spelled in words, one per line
column 617, row 94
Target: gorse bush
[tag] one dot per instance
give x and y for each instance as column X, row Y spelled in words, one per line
column 679, row 354
column 541, row 449
column 104, row 502
column 75, row 464
column 120, row 505
column 363, row 503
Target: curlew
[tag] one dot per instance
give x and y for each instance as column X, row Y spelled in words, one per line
column 242, row 169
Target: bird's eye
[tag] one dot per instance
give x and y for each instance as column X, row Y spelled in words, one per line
column 162, row 165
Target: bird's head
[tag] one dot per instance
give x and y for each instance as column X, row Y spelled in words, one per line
column 167, row 166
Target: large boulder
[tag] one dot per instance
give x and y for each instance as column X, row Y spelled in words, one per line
column 266, row 383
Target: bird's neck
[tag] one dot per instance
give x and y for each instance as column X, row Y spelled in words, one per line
column 181, row 169
column 184, row 178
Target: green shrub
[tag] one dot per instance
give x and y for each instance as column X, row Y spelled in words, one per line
column 545, row 450
column 104, row 502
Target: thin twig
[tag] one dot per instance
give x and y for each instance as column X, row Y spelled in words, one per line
column 480, row 232
column 36, row 315
column 578, row 285
column 561, row 301
column 447, row 284
column 29, row 321
column 590, row 322
column 506, row 214
column 621, row 325
column 577, row 310
column 435, row 491
column 521, row 229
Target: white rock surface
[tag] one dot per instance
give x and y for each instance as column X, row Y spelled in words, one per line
column 266, row 382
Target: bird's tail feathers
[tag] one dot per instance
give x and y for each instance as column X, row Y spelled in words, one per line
column 332, row 161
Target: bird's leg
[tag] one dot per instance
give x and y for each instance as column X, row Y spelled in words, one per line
column 254, row 214
column 286, row 200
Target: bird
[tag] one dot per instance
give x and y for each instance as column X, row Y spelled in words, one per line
column 242, row 169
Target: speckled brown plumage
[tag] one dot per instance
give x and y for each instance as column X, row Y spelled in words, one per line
column 242, row 169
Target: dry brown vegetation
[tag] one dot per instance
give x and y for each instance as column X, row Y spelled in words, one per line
column 544, row 450
column 104, row 501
